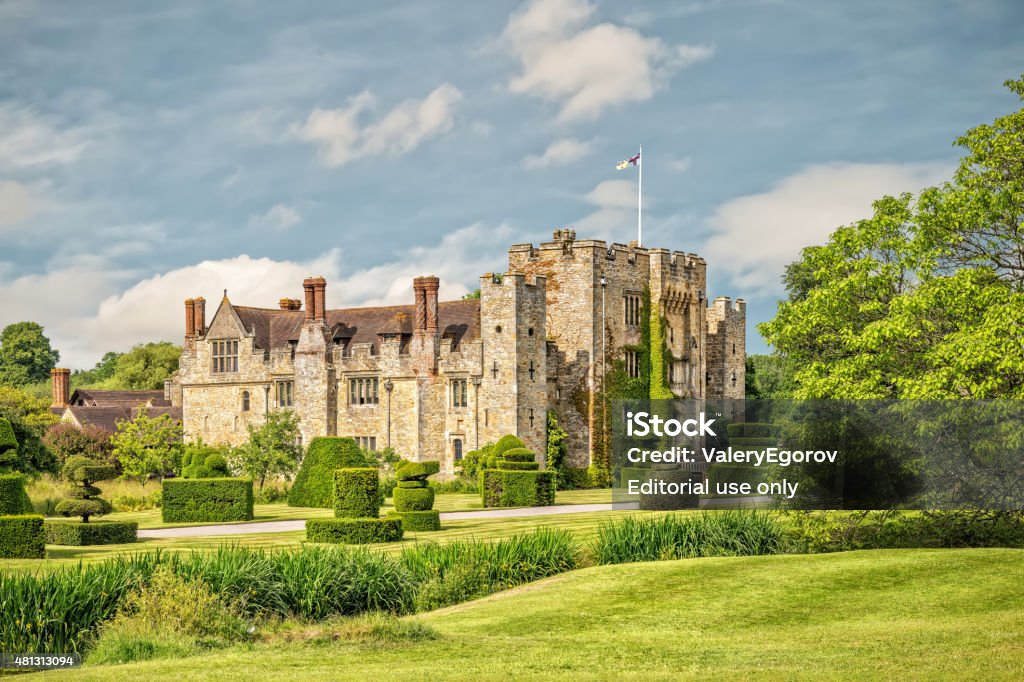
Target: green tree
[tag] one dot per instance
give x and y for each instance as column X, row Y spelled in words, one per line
column 144, row 367
column 103, row 371
column 273, row 448
column 30, row 417
column 924, row 299
column 26, row 356
column 147, row 447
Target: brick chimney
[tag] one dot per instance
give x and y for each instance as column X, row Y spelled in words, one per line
column 290, row 304
column 430, row 286
column 61, row 379
column 420, row 294
column 190, row 318
column 200, row 310
column 315, row 289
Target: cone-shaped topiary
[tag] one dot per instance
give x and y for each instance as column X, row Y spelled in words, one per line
column 314, row 484
column 81, row 499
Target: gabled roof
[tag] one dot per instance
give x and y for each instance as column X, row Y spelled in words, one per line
column 97, row 398
column 275, row 328
column 106, row 418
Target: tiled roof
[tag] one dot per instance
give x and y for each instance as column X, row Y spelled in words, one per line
column 274, row 327
column 97, row 398
column 107, row 417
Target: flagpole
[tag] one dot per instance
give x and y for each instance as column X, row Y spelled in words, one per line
column 640, row 199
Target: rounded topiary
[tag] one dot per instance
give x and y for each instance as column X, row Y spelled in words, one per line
column 314, row 484
column 418, row 483
column 519, row 455
column 8, row 447
column 413, row 499
column 411, row 471
column 506, row 443
column 517, row 466
column 82, row 472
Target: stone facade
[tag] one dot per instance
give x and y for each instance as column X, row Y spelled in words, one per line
column 435, row 379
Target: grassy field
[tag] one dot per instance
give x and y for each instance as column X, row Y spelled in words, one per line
column 583, row 525
column 282, row 512
column 891, row 614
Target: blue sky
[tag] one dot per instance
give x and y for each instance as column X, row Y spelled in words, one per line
column 155, row 151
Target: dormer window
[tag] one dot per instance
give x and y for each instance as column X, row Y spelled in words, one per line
column 225, row 356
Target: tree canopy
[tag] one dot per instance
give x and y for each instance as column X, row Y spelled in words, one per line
column 924, row 299
column 26, row 356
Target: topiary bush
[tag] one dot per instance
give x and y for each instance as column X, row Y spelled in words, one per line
column 354, row 531
column 21, row 537
column 13, row 498
column 207, row 499
column 426, row 520
column 517, row 466
column 413, row 499
column 81, row 501
column 505, row 488
column 519, row 455
column 78, row 534
column 314, row 484
column 8, row 446
column 356, row 493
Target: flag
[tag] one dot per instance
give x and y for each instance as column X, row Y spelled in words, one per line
column 633, row 160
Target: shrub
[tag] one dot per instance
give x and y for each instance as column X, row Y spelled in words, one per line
column 426, row 520
column 354, row 531
column 65, row 440
column 517, row 466
column 505, row 443
column 21, row 537
column 8, row 446
column 574, row 478
column 13, row 498
column 356, row 493
column 411, row 484
column 203, row 461
column 82, row 472
column 207, row 499
column 314, row 484
column 518, row 455
column 414, row 471
column 413, row 499
column 75, row 533
column 674, row 536
column 455, row 486
column 503, row 488
column 168, row 617
column 473, row 462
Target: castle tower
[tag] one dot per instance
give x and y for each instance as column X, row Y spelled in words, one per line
column 727, row 350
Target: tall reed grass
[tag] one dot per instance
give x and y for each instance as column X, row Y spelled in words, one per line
column 727, row 533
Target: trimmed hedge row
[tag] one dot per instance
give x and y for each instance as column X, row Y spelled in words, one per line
column 517, row 466
column 21, row 537
column 13, row 498
column 314, row 484
column 356, row 494
column 77, row 534
column 427, row 520
column 354, row 531
column 504, row 488
column 199, row 500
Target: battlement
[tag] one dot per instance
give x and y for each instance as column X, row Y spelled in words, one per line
column 680, row 264
column 512, row 278
column 726, row 307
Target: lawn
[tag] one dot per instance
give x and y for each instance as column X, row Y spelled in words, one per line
column 282, row 512
column 886, row 614
column 584, row 525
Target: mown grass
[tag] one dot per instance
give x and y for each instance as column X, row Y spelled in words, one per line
column 584, row 526
column 882, row 614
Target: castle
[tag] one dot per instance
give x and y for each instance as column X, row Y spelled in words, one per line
column 436, row 379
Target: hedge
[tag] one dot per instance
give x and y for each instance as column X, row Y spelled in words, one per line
column 503, row 488
column 356, row 494
column 21, row 537
column 517, row 466
column 418, row 483
column 429, row 520
column 207, row 499
column 735, row 473
column 314, row 484
column 13, row 498
column 76, row 533
column 506, row 443
column 354, row 531
column 575, row 478
column 519, row 455
column 413, row 499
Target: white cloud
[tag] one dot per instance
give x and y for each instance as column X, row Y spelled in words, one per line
column 130, row 310
column 341, row 138
column 278, row 217
column 15, row 204
column 27, row 140
column 679, row 165
column 559, row 153
column 615, row 217
column 756, row 236
column 586, row 69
